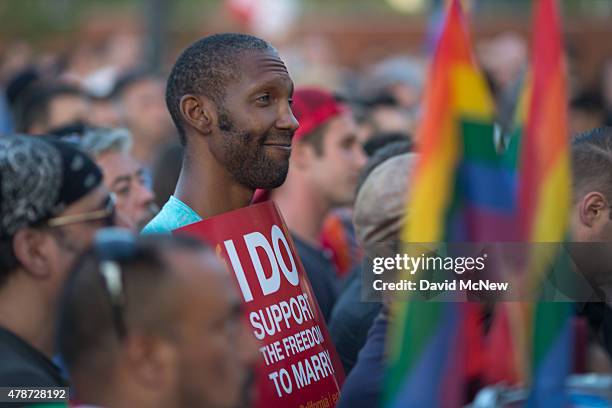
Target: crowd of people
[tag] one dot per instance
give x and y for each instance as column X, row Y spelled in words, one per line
column 97, row 295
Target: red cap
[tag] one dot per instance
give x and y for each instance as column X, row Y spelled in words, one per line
column 313, row 107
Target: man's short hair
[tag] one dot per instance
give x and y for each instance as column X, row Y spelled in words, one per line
column 592, row 162
column 88, row 333
column 97, row 141
column 590, row 101
column 33, row 106
column 315, row 138
column 205, row 68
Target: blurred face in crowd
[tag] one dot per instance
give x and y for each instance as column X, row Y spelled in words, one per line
column 335, row 171
column 408, row 96
column 214, row 349
column 102, row 113
column 124, row 177
column 52, row 250
column 256, row 124
column 144, row 110
column 64, row 110
column 388, row 119
column 503, row 58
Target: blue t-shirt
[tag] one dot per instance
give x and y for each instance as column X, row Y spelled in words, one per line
column 174, row 214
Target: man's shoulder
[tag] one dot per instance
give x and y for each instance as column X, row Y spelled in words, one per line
column 158, row 225
column 174, row 214
column 26, row 375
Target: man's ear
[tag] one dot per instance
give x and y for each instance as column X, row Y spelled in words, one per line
column 152, row 360
column 592, row 208
column 30, row 249
column 199, row 112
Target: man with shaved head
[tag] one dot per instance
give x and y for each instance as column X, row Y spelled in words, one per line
column 591, row 226
column 154, row 321
column 229, row 96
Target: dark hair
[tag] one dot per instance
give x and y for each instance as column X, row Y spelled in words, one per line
column 87, row 335
column 205, row 68
column 588, row 101
column 315, row 137
column 8, row 260
column 380, row 140
column 592, row 162
column 128, row 79
column 19, row 83
column 380, row 156
column 32, row 107
column 383, row 98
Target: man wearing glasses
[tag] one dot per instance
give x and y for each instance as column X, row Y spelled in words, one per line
column 51, row 203
column 168, row 326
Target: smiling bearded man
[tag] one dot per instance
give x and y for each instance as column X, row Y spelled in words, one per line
column 229, row 96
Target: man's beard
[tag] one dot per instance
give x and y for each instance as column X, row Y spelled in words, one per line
column 248, row 162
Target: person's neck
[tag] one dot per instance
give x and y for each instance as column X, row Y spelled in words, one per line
column 207, row 188
column 304, row 210
column 24, row 312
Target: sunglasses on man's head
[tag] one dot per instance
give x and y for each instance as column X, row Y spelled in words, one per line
column 106, row 214
column 117, row 247
column 113, row 246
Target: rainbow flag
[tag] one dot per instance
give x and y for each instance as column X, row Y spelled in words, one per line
column 463, row 189
column 539, row 336
column 544, row 202
column 467, row 188
column 544, row 197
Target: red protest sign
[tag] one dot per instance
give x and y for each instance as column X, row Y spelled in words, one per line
column 299, row 366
